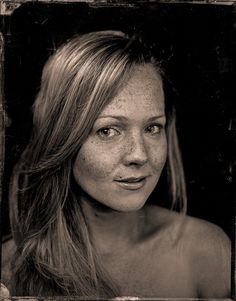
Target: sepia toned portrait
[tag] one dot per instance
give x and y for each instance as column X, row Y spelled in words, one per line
column 118, row 149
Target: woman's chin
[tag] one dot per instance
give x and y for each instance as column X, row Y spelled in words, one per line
column 128, row 205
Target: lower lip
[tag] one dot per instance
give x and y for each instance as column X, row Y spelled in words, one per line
column 132, row 185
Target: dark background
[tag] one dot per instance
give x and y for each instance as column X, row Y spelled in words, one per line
column 196, row 44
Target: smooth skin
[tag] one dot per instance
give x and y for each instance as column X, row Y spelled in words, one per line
column 147, row 250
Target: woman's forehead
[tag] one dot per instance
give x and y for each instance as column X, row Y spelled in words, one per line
column 142, row 92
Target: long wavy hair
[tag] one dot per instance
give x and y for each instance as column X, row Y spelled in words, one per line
column 54, row 253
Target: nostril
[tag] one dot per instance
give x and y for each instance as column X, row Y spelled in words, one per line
column 136, row 163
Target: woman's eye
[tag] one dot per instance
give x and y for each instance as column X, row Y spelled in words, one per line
column 108, row 132
column 154, row 129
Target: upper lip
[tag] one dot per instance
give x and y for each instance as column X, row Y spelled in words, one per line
column 130, row 179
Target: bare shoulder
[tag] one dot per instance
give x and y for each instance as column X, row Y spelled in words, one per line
column 209, row 251
column 196, row 234
column 205, row 233
column 202, row 247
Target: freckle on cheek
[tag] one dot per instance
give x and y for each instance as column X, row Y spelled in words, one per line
column 93, row 169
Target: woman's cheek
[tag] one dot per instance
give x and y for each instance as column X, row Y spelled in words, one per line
column 93, row 162
column 158, row 154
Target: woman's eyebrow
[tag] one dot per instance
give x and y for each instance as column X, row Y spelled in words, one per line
column 156, row 117
column 123, row 118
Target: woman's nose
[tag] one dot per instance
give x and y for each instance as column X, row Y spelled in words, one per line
column 136, row 151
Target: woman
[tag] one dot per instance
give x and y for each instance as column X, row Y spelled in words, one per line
column 81, row 221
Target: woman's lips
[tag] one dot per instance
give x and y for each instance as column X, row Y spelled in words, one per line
column 132, row 183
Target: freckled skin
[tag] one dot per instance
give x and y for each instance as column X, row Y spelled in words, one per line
column 142, row 250
column 132, row 151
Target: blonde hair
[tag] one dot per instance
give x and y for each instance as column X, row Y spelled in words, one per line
column 48, row 224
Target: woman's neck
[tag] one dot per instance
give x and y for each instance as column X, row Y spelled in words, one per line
column 112, row 230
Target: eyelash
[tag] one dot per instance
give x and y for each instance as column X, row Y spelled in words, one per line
column 160, row 127
column 115, row 132
column 100, row 132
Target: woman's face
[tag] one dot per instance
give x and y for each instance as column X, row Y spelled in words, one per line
column 121, row 161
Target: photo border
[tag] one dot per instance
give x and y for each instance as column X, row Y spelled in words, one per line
column 7, row 7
